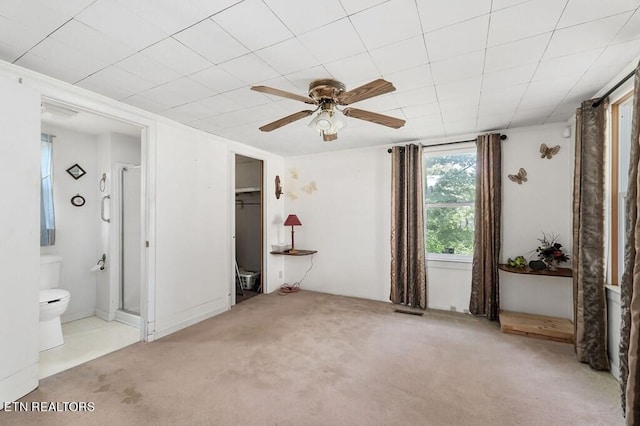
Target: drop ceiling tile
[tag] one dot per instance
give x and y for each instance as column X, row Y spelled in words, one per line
column 187, row 113
column 502, row 4
column 175, row 55
column 17, row 38
column 564, row 66
column 253, row 24
column 211, row 7
column 458, row 68
column 148, row 69
column 145, row 104
column 493, row 122
column 115, row 83
column 429, row 126
column 399, row 18
column 489, row 109
column 297, row 17
column 114, row 20
column 411, row 78
column 301, row 79
column 422, row 110
column 459, row 88
column 530, row 117
column 460, row 114
column 168, row 15
column 460, row 127
column 354, row 69
column 246, row 98
column 211, row 41
column 283, row 84
column 440, row 14
column 577, row 12
column 42, row 14
column 508, row 77
column 354, row 6
column 469, row 101
column 457, row 39
column 288, row 56
column 510, row 24
column 517, row 53
column 631, row 30
column 546, row 93
column 217, row 79
column 500, row 96
column 420, row 96
column 249, row 68
column 585, row 36
column 333, row 41
column 51, row 68
column 383, row 103
column 219, row 104
column 92, row 42
column 400, row 56
column 177, row 92
column 9, row 53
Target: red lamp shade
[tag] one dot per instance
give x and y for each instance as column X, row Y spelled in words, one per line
column 292, row 220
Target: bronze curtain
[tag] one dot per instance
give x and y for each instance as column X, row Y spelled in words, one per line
column 630, row 284
column 588, row 236
column 486, row 244
column 408, row 269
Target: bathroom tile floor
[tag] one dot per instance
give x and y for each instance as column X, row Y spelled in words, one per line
column 84, row 340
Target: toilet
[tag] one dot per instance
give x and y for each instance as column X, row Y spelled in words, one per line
column 53, row 302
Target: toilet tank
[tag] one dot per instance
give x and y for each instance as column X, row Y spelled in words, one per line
column 50, row 270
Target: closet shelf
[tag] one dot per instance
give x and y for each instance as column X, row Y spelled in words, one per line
column 248, row 189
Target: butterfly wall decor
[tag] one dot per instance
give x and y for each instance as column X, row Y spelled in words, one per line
column 520, row 177
column 548, row 152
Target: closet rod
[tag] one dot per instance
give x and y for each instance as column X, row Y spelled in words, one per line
column 502, row 137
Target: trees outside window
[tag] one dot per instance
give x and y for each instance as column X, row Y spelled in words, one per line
column 450, row 187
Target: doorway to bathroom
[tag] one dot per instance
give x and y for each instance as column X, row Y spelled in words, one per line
column 99, row 238
column 248, row 227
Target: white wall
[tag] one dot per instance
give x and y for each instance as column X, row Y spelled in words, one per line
column 192, row 239
column 77, row 228
column 20, row 238
column 348, row 221
column 614, row 319
column 542, row 204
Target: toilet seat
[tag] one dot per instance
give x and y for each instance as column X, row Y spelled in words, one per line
column 52, row 295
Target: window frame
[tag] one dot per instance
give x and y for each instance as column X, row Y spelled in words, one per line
column 449, row 149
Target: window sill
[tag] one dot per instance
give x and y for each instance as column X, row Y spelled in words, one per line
column 457, row 258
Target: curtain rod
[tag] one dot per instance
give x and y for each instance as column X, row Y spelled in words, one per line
column 502, row 137
column 597, row 103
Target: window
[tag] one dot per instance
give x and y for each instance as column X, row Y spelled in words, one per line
column 47, row 222
column 449, row 202
column 621, row 117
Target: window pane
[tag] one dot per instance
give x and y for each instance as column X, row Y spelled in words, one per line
column 450, row 178
column 47, row 219
column 450, row 230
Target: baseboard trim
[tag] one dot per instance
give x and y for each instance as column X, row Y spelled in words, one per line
column 77, row 315
column 104, row 315
column 214, row 309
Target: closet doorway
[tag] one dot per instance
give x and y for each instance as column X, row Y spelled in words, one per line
column 248, row 227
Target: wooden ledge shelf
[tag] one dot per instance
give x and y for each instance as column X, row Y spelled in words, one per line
column 560, row 272
column 297, row 252
column 538, row 326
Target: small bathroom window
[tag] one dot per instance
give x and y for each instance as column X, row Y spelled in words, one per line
column 47, row 217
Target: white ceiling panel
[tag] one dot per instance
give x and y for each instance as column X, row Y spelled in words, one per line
column 302, row 16
column 288, row 56
column 459, row 66
column 211, row 41
column 253, row 24
column 405, row 24
column 353, row 69
column 217, row 79
column 114, row 20
column 515, row 54
column 458, row 39
column 249, row 68
column 333, row 41
column 440, row 14
column 581, row 11
column 585, row 36
column 148, row 69
column 524, row 20
column 393, row 58
column 175, row 55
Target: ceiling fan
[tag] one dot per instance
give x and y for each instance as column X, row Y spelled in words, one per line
column 327, row 94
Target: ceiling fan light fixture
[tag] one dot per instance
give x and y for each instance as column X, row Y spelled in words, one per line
column 324, row 121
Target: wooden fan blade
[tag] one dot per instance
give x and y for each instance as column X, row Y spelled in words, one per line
column 284, row 94
column 327, row 137
column 286, row 120
column 374, row 117
column 369, row 90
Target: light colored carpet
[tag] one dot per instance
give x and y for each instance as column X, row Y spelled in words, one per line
column 316, row 359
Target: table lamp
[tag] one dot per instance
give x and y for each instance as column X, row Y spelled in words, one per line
column 292, row 220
